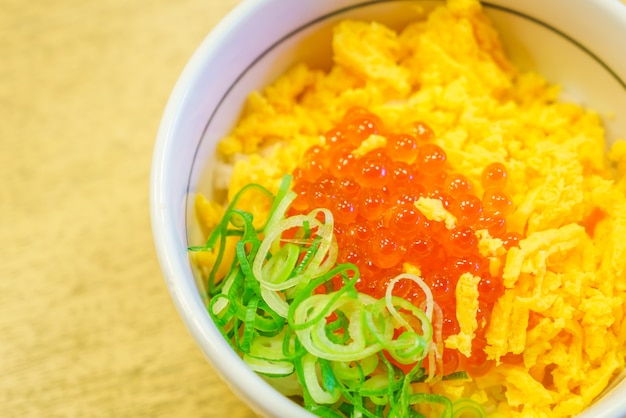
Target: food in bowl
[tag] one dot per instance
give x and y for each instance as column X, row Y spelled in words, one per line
column 422, row 227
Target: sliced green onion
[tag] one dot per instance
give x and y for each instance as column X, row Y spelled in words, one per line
column 432, row 398
column 270, row 368
column 337, row 331
column 355, row 371
column 281, row 309
column 312, row 381
column 467, row 408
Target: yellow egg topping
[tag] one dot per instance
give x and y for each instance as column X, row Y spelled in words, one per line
column 557, row 334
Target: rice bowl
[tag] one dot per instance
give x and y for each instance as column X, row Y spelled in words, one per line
column 264, row 70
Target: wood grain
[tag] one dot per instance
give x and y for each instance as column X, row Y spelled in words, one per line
column 87, row 328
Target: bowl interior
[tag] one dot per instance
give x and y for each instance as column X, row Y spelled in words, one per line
column 211, row 91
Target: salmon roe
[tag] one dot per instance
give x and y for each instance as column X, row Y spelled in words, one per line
column 379, row 228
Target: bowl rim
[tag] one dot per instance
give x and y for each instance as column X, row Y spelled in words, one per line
column 168, row 242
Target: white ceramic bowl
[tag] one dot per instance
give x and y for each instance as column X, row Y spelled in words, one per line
column 576, row 43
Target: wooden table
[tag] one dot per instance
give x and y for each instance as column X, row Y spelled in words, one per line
column 87, row 328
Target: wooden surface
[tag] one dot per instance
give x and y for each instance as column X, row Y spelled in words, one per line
column 87, row 328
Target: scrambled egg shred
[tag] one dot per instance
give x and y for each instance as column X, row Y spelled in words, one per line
column 466, row 311
column 562, row 312
column 433, row 210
